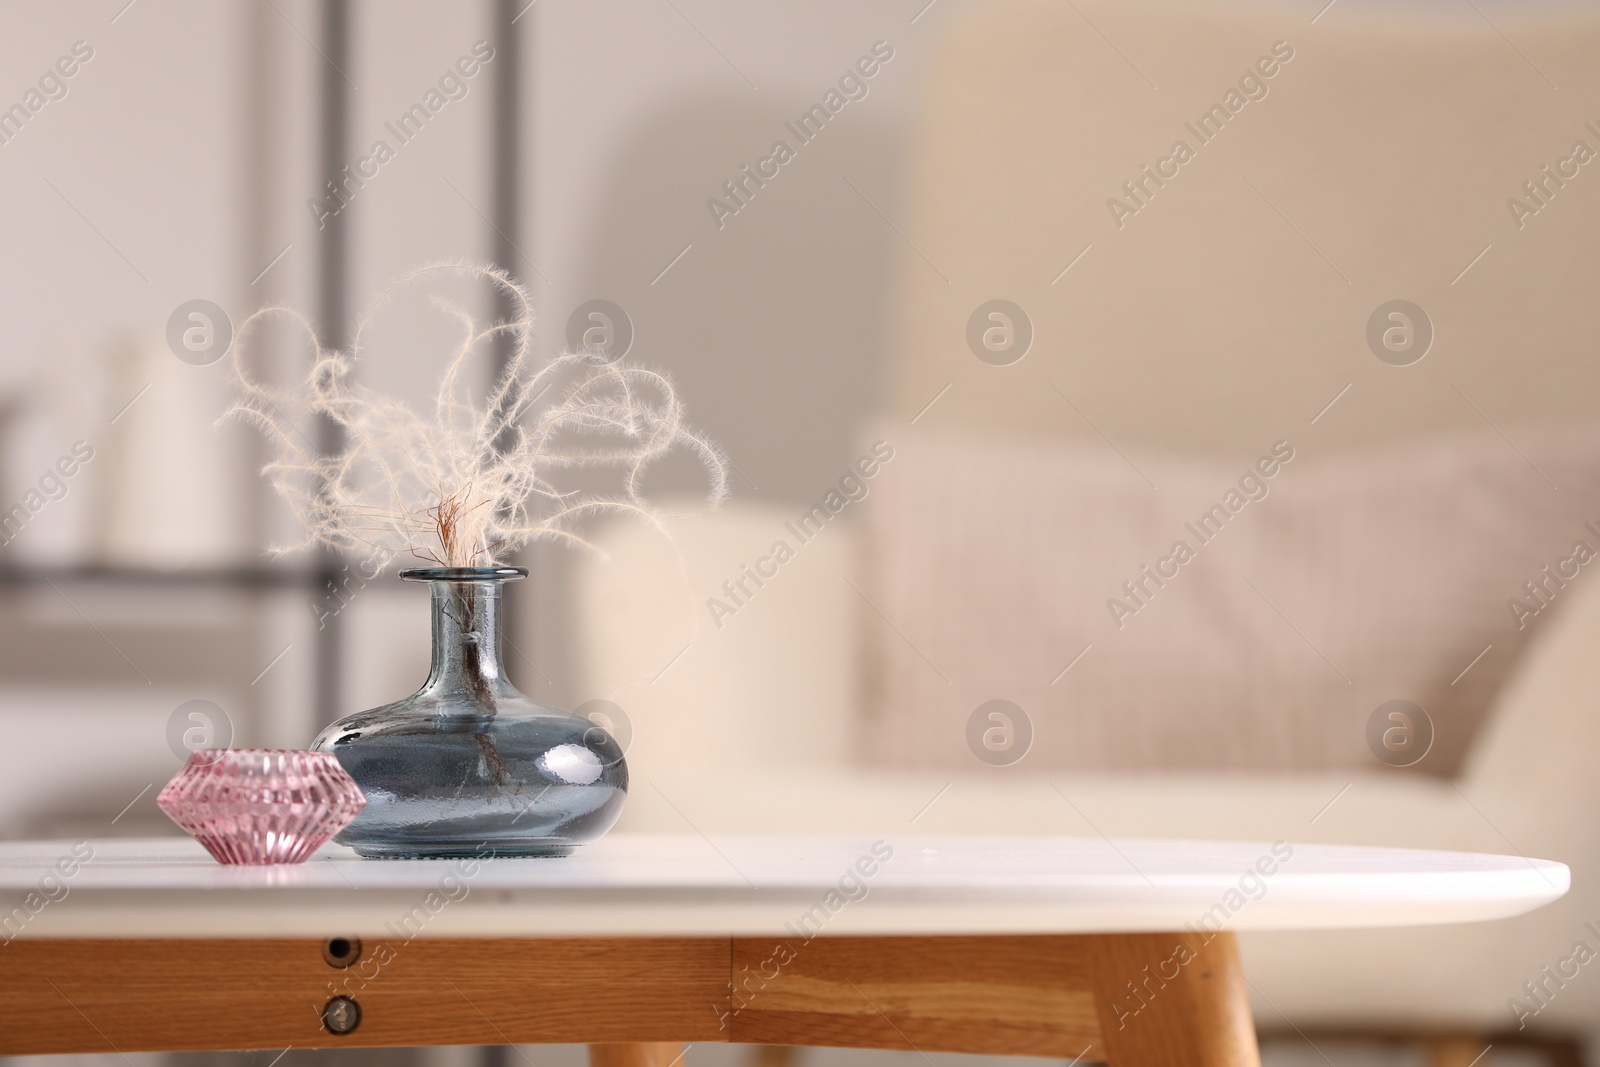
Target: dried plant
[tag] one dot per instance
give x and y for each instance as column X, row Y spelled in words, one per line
column 465, row 485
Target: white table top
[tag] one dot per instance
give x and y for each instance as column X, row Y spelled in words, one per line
column 659, row 885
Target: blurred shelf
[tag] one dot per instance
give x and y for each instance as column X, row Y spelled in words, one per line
column 12, row 576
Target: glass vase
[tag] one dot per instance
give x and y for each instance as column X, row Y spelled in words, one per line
column 467, row 765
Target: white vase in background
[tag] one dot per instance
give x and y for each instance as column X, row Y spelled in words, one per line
column 166, row 479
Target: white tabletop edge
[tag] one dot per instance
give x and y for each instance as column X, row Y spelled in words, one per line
column 647, row 885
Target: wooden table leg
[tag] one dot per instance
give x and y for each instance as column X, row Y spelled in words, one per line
column 1456, row 1051
column 637, row 1054
column 1178, row 999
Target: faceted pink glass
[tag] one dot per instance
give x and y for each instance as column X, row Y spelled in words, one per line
column 261, row 805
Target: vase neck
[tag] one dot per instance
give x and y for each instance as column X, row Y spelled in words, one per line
column 466, row 642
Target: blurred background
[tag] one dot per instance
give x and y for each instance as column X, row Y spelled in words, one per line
column 994, row 306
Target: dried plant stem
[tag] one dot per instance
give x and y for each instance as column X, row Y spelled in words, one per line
column 471, row 481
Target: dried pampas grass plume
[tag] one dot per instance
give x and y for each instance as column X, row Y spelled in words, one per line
column 469, row 482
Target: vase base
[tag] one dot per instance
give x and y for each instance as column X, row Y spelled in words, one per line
column 463, row 851
column 475, row 850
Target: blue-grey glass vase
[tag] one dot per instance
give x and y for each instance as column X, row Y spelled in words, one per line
column 468, row 766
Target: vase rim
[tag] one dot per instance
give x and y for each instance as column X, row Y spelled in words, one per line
column 463, row 574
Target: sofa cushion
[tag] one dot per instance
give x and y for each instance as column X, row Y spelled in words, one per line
column 1149, row 611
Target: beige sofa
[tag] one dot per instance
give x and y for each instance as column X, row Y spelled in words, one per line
column 1225, row 314
column 756, row 727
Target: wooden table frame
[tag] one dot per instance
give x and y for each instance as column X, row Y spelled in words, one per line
column 1130, row 1000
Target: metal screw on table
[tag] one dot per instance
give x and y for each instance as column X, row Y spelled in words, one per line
column 341, row 1015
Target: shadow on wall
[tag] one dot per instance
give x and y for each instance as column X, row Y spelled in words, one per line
column 773, row 322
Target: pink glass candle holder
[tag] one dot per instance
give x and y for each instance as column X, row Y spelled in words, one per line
column 261, row 805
